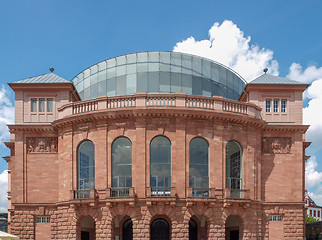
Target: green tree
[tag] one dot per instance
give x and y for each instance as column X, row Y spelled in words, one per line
column 309, row 219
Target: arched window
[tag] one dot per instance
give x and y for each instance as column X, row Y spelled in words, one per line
column 160, row 230
column 160, row 166
column 121, row 167
column 198, row 167
column 86, row 166
column 234, row 168
column 127, row 230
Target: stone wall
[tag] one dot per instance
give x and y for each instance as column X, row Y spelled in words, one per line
column 252, row 216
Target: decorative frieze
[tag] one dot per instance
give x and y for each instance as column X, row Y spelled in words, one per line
column 276, row 145
column 42, row 144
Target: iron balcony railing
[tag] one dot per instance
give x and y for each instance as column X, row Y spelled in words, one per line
column 119, row 192
column 160, row 191
column 235, row 186
column 199, row 185
column 82, row 194
column 200, row 192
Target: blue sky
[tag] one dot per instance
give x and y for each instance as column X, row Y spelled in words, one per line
column 71, row 35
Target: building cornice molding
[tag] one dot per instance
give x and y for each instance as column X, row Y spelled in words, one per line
column 14, row 128
column 159, row 112
column 286, row 128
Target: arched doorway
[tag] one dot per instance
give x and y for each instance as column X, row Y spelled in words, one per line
column 160, row 229
column 127, row 230
column 232, row 228
column 193, row 230
column 88, row 228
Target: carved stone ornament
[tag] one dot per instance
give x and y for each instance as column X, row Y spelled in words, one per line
column 42, row 145
column 276, row 145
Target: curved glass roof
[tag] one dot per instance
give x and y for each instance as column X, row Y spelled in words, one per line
column 158, row 72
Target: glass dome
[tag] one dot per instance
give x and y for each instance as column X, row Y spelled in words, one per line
column 158, row 73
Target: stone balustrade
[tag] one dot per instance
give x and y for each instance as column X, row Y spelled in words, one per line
column 142, row 100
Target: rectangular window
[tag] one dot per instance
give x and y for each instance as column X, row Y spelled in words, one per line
column 314, row 213
column 283, row 106
column 318, row 213
column 49, row 104
column 41, row 105
column 33, row 105
column 275, row 218
column 311, row 213
column 43, row 219
column 268, row 105
column 275, row 105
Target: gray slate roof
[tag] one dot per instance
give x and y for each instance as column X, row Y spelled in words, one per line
column 270, row 79
column 45, row 78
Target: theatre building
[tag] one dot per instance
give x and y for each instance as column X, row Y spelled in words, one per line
column 157, row 145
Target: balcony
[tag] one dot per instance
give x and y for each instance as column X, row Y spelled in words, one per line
column 234, row 189
column 161, row 192
column 83, row 194
column 120, row 192
column 146, row 101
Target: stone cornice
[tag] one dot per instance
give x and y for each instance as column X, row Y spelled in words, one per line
column 286, row 128
column 146, row 112
column 31, row 128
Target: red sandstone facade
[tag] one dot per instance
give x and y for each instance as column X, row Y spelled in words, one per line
column 43, row 164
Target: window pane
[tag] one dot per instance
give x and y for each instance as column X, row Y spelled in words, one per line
column 283, row 106
column 33, row 105
column 198, row 163
column 86, row 165
column 131, row 84
column 153, row 84
column 42, row 105
column 233, row 165
column 111, row 87
column 275, row 105
column 49, row 105
column 121, row 85
column 160, row 159
column 122, row 162
column 102, row 88
column 165, row 82
column 142, row 82
column 268, row 105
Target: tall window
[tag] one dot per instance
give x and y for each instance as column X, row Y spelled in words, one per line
column 121, row 167
column 275, row 105
column 234, row 167
column 198, row 167
column 86, row 166
column 49, row 104
column 160, row 166
column 268, row 105
column 283, row 106
column 34, row 105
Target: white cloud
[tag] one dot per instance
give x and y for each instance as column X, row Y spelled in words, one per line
column 313, row 177
column 7, row 114
column 228, row 45
column 312, row 114
column 3, row 191
column 309, row 75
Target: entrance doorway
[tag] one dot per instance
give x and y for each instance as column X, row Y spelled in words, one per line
column 160, row 230
column 127, row 230
column 232, row 228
